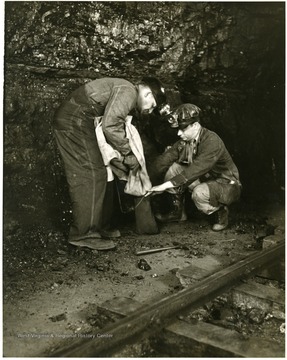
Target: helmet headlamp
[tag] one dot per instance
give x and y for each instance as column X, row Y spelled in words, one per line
column 168, row 115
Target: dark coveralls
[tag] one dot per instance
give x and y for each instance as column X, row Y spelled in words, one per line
column 212, row 168
column 113, row 99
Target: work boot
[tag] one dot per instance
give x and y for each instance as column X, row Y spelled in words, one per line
column 89, row 235
column 222, row 223
column 92, row 240
column 178, row 211
column 111, row 233
column 94, row 243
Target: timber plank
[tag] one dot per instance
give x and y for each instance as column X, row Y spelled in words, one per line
column 253, row 295
column 182, row 339
column 275, row 271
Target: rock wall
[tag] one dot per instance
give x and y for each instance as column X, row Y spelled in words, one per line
column 228, row 58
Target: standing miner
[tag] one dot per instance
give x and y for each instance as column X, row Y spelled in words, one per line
column 200, row 163
column 113, row 99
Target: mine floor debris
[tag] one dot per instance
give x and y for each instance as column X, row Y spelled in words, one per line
column 52, row 290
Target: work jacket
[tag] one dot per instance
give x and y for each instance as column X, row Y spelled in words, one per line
column 210, row 160
column 111, row 98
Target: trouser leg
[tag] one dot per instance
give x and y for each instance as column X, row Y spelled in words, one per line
column 86, row 176
column 214, row 196
column 211, row 195
column 206, row 200
column 108, row 206
column 201, row 198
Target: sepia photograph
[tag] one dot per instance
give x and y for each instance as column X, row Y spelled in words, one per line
column 143, row 179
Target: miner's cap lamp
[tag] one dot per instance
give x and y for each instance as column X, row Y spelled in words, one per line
column 157, row 90
column 184, row 115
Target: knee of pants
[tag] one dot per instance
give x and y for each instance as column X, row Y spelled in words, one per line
column 201, row 196
column 201, row 192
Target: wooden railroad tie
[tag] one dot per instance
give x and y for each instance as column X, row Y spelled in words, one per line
column 152, row 319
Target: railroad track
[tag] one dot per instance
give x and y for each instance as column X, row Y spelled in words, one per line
column 160, row 321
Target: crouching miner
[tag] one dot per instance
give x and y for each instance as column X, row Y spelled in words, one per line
column 200, row 163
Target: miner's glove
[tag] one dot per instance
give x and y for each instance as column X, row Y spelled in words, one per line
column 131, row 162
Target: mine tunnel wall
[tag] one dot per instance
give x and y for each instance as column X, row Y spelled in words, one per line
column 228, row 58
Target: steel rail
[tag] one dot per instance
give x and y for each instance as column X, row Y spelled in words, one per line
column 154, row 317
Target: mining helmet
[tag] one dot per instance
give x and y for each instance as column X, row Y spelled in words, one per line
column 157, row 90
column 184, row 115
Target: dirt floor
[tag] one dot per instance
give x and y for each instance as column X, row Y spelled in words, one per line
column 52, row 289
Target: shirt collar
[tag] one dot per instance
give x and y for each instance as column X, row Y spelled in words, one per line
column 196, row 139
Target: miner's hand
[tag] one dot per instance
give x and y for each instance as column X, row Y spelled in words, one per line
column 119, row 165
column 131, row 162
column 162, row 187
